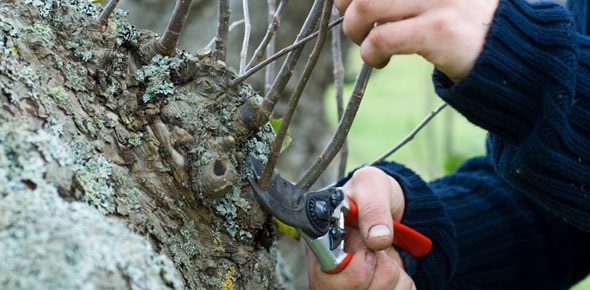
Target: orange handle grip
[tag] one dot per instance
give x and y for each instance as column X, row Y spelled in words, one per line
column 408, row 239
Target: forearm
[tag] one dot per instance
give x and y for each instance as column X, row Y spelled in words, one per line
column 426, row 213
column 504, row 240
column 530, row 89
column 487, row 235
column 529, row 56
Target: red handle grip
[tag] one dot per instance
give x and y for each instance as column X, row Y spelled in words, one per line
column 404, row 237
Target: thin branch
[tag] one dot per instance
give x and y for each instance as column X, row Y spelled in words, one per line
column 103, row 19
column 276, row 145
column 411, row 135
column 339, row 136
column 338, row 73
column 274, row 14
column 233, row 25
column 222, row 31
column 296, row 45
column 244, row 52
column 167, row 43
column 288, row 67
column 268, row 39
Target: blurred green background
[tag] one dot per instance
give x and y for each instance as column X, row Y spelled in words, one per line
column 397, row 98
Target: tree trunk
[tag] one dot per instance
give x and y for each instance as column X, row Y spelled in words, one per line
column 309, row 129
column 119, row 168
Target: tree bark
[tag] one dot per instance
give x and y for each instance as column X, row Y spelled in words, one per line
column 309, row 129
column 119, row 168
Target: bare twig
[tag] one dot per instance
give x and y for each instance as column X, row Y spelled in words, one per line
column 411, row 135
column 222, row 31
column 167, row 43
column 103, row 19
column 339, row 136
column 296, row 45
column 338, row 72
column 274, row 14
column 266, row 44
column 288, row 67
column 233, row 25
column 276, row 145
column 244, row 52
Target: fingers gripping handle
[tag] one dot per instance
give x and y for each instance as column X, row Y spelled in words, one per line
column 408, row 239
column 335, row 260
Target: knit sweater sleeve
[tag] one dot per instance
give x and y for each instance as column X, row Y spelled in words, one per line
column 486, row 235
column 530, row 88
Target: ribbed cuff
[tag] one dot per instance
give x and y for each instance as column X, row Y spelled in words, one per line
column 528, row 59
column 425, row 213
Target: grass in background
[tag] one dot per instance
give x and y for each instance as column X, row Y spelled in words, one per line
column 583, row 285
column 397, row 98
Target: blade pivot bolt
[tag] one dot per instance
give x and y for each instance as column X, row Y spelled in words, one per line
column 321, row 211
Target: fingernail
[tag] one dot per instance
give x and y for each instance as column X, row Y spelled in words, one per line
column 379, row 231
column 371, row 260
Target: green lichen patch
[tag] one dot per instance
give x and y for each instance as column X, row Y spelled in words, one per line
column 24, row 154
column 156, row 76
column 94, row 177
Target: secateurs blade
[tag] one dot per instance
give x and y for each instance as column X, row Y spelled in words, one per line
column 320, row 218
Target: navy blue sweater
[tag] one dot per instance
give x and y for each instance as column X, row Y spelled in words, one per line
column 519, row 217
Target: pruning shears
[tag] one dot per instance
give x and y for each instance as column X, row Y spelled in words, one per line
column 320, row 218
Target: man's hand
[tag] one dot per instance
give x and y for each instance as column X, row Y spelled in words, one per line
column 379, row 199
column 376, row 264
column 367, row 270
column 448, row 33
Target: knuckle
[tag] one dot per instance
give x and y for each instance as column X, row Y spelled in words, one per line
column 341, row 5
column 364, row 6
column 443, row 30
column 444, row 24
column 367, row 177
column 373, row 212
column 377, row 47
column 348, row 28
column 362, row 182
column 367, row 171
column 377, row 39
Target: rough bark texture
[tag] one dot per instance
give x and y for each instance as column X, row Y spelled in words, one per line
column 310, row 129
column 121, row 169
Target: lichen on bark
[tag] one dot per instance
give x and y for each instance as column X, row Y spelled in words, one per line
column 121, row 168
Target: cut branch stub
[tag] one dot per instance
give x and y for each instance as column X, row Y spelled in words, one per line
column 250, row 117
column 214, row 175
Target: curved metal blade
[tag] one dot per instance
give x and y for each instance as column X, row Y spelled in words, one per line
column 284, row 200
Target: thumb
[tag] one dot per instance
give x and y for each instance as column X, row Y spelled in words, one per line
column 374, row 192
